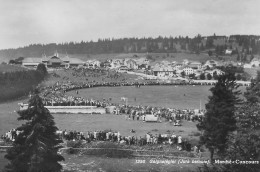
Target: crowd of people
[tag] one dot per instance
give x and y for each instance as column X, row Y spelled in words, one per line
column 11, row 135
column 55, row 96
column 170, row 114
column 108, row 135
column 133, row 112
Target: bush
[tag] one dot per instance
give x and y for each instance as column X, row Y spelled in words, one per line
column 72, row 145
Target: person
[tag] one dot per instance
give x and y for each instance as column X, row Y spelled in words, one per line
column 179, row 140
column 148, row 138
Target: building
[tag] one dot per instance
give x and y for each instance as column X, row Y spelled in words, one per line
column 210, row 63
column 185, row 62
column 107, row 64
column 163, row 71
column 255, row 62
column 123, row 69
column 93, row 64
column 31, row 61
column 142, row 61
column 188, row 70
column 177, row 66
column 228, row 52
column 116, row 63
column 195, row 65
column 131, row 64
column 53, row 61
column 211, row 72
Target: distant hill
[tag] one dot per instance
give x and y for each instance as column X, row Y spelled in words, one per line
column 238, row 43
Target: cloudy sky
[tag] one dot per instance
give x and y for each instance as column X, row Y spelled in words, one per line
column 24, row 22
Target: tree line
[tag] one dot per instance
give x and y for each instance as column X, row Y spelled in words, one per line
column 19, row 83
column 137, row 45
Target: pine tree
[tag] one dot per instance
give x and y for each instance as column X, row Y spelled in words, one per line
column 202, row 76
column 35, row 148
column 42, row 68
column 245, row 143
column 253, row 93
column 219, row 120
column 209, row 77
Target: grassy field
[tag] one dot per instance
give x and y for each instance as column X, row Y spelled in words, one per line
column 98, row 164
column 181, row 97
column 10, row 68
column 81, row 122
column 164, row 96
column 83, row 163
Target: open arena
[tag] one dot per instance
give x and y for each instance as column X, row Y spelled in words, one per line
column 181, row 97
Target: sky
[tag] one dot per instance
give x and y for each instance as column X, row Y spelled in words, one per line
column 24, row 22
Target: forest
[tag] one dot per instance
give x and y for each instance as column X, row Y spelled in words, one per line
column 248, row 43
column 19, row 83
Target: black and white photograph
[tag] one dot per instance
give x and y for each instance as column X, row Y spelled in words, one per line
column 129, row 86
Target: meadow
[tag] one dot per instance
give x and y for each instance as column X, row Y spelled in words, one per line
column 182, row 97
column 81, row 163
column 75, row 163
column 86, row 122
column 83, row 122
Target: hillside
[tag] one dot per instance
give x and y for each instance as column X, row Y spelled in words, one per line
column 10, row 68
column 248, row 44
